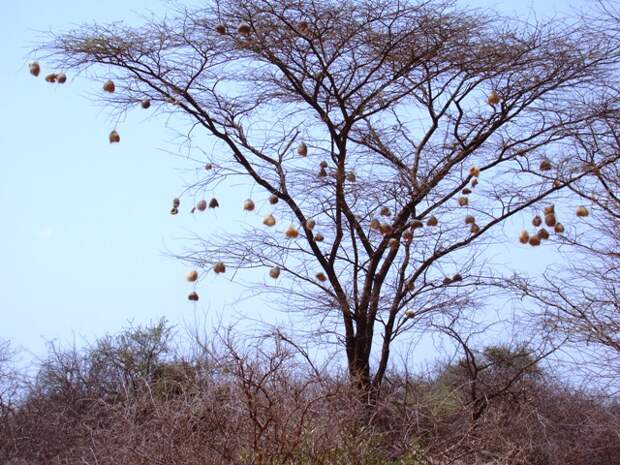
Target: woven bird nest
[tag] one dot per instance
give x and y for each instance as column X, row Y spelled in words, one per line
column 534, row 241
column 310, row 224
column 474, row 182
column 537, row 221
column 219, row 267
column 351, row 177
column 375, row 224
column 220, row 29
column 244, row 28
column 51, row 78
column 174, row 211
column 321, row 277
column 474, row 171
column 319, row 237
column 114, row 137
column 386, row 229
column 543, row 234
column 201, row 205
column 322, row 173
column 469, row 219
column 61, row 78
column 545, row 165
column 463, row 201
column 109, row 86
column 213, row 203
column 269, row 220
column 474, row 229
column 415, row 224
column 409, row 314
column 274, row 272
column 559, row 228
column 432, row 221
column 192, row 276
column 385, row 211
column 323, row 164
column 193, row 296
column 493, row 98
column 34, row 68
column 302, row 150
column 176, row 202
column 291, row 232
column 146, row 104
column 550, row 220
column 466, row 191
column 273, row 199
column 582, row 211
column 248, row 205
column 549, row 209
column 407, row 236
column 524, row 237
column 393, row 243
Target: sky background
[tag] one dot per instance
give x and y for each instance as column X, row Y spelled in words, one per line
column 85, row 226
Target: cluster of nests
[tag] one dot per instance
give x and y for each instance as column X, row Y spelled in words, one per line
column 53, row 78
column 245, row 29
column 550, row 221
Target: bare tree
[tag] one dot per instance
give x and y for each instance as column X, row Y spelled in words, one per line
column 391, row 139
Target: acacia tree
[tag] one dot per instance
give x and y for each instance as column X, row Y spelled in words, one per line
column 389, row 138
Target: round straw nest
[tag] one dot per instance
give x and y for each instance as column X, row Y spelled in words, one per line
column 34, row 68
column 524, row 237
column 193, row 296
column 302, row 150
column 248, row 205
column 114, row 137
column 219, row 267
column 291, row 232
column 201, row 205
column 109, row 86
column 493, row 98
column 269, row 220
column 582, row 211
column 192, row 276
column 274, row 272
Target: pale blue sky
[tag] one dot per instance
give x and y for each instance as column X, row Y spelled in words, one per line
column 84, row 223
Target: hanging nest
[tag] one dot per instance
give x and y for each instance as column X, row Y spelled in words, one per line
column 302, row 27
column 582, row 211
column 415, row 224
column 432, row 221
column 273, row 199
column 192, row 276
column 537, row 221
column 61, row 78
column 322, row 173
column 310, row 224
column 109, row 86
column 219, row 267
column 34, row 68
column 407, row 236
column 291, row 232
column 248, row 205
column 320, row 277
column 351, row 176
column 456, row 278
column 393, row 243
column 209, row 166
column 114, row 137
column 193, row 296
column 534, row 241
column 409, row 285
column 446, row 281
column 375, row 224
column 559, row 228
column 146, row 104
column 269, row 220
column 174, row 211
column 201, row 205
column 474, row 182
column 386, row 229
column 474, row 171
column 274, row 272
column 51, row 78
column 220, row 29
column 469, row 219
column 463, row 201
column 524, row 237
column 474, row 228
column 302, row 150
column 545, row 165
column 323, row 164
column 385, row 211
column 549, row 209
column 319, row 237
column 466, row 191
column 176, row 202
column 244, row 28
column 550, row 220
column 493, row 98
column 213, row 203
column 409, row 314
column 543, row 234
